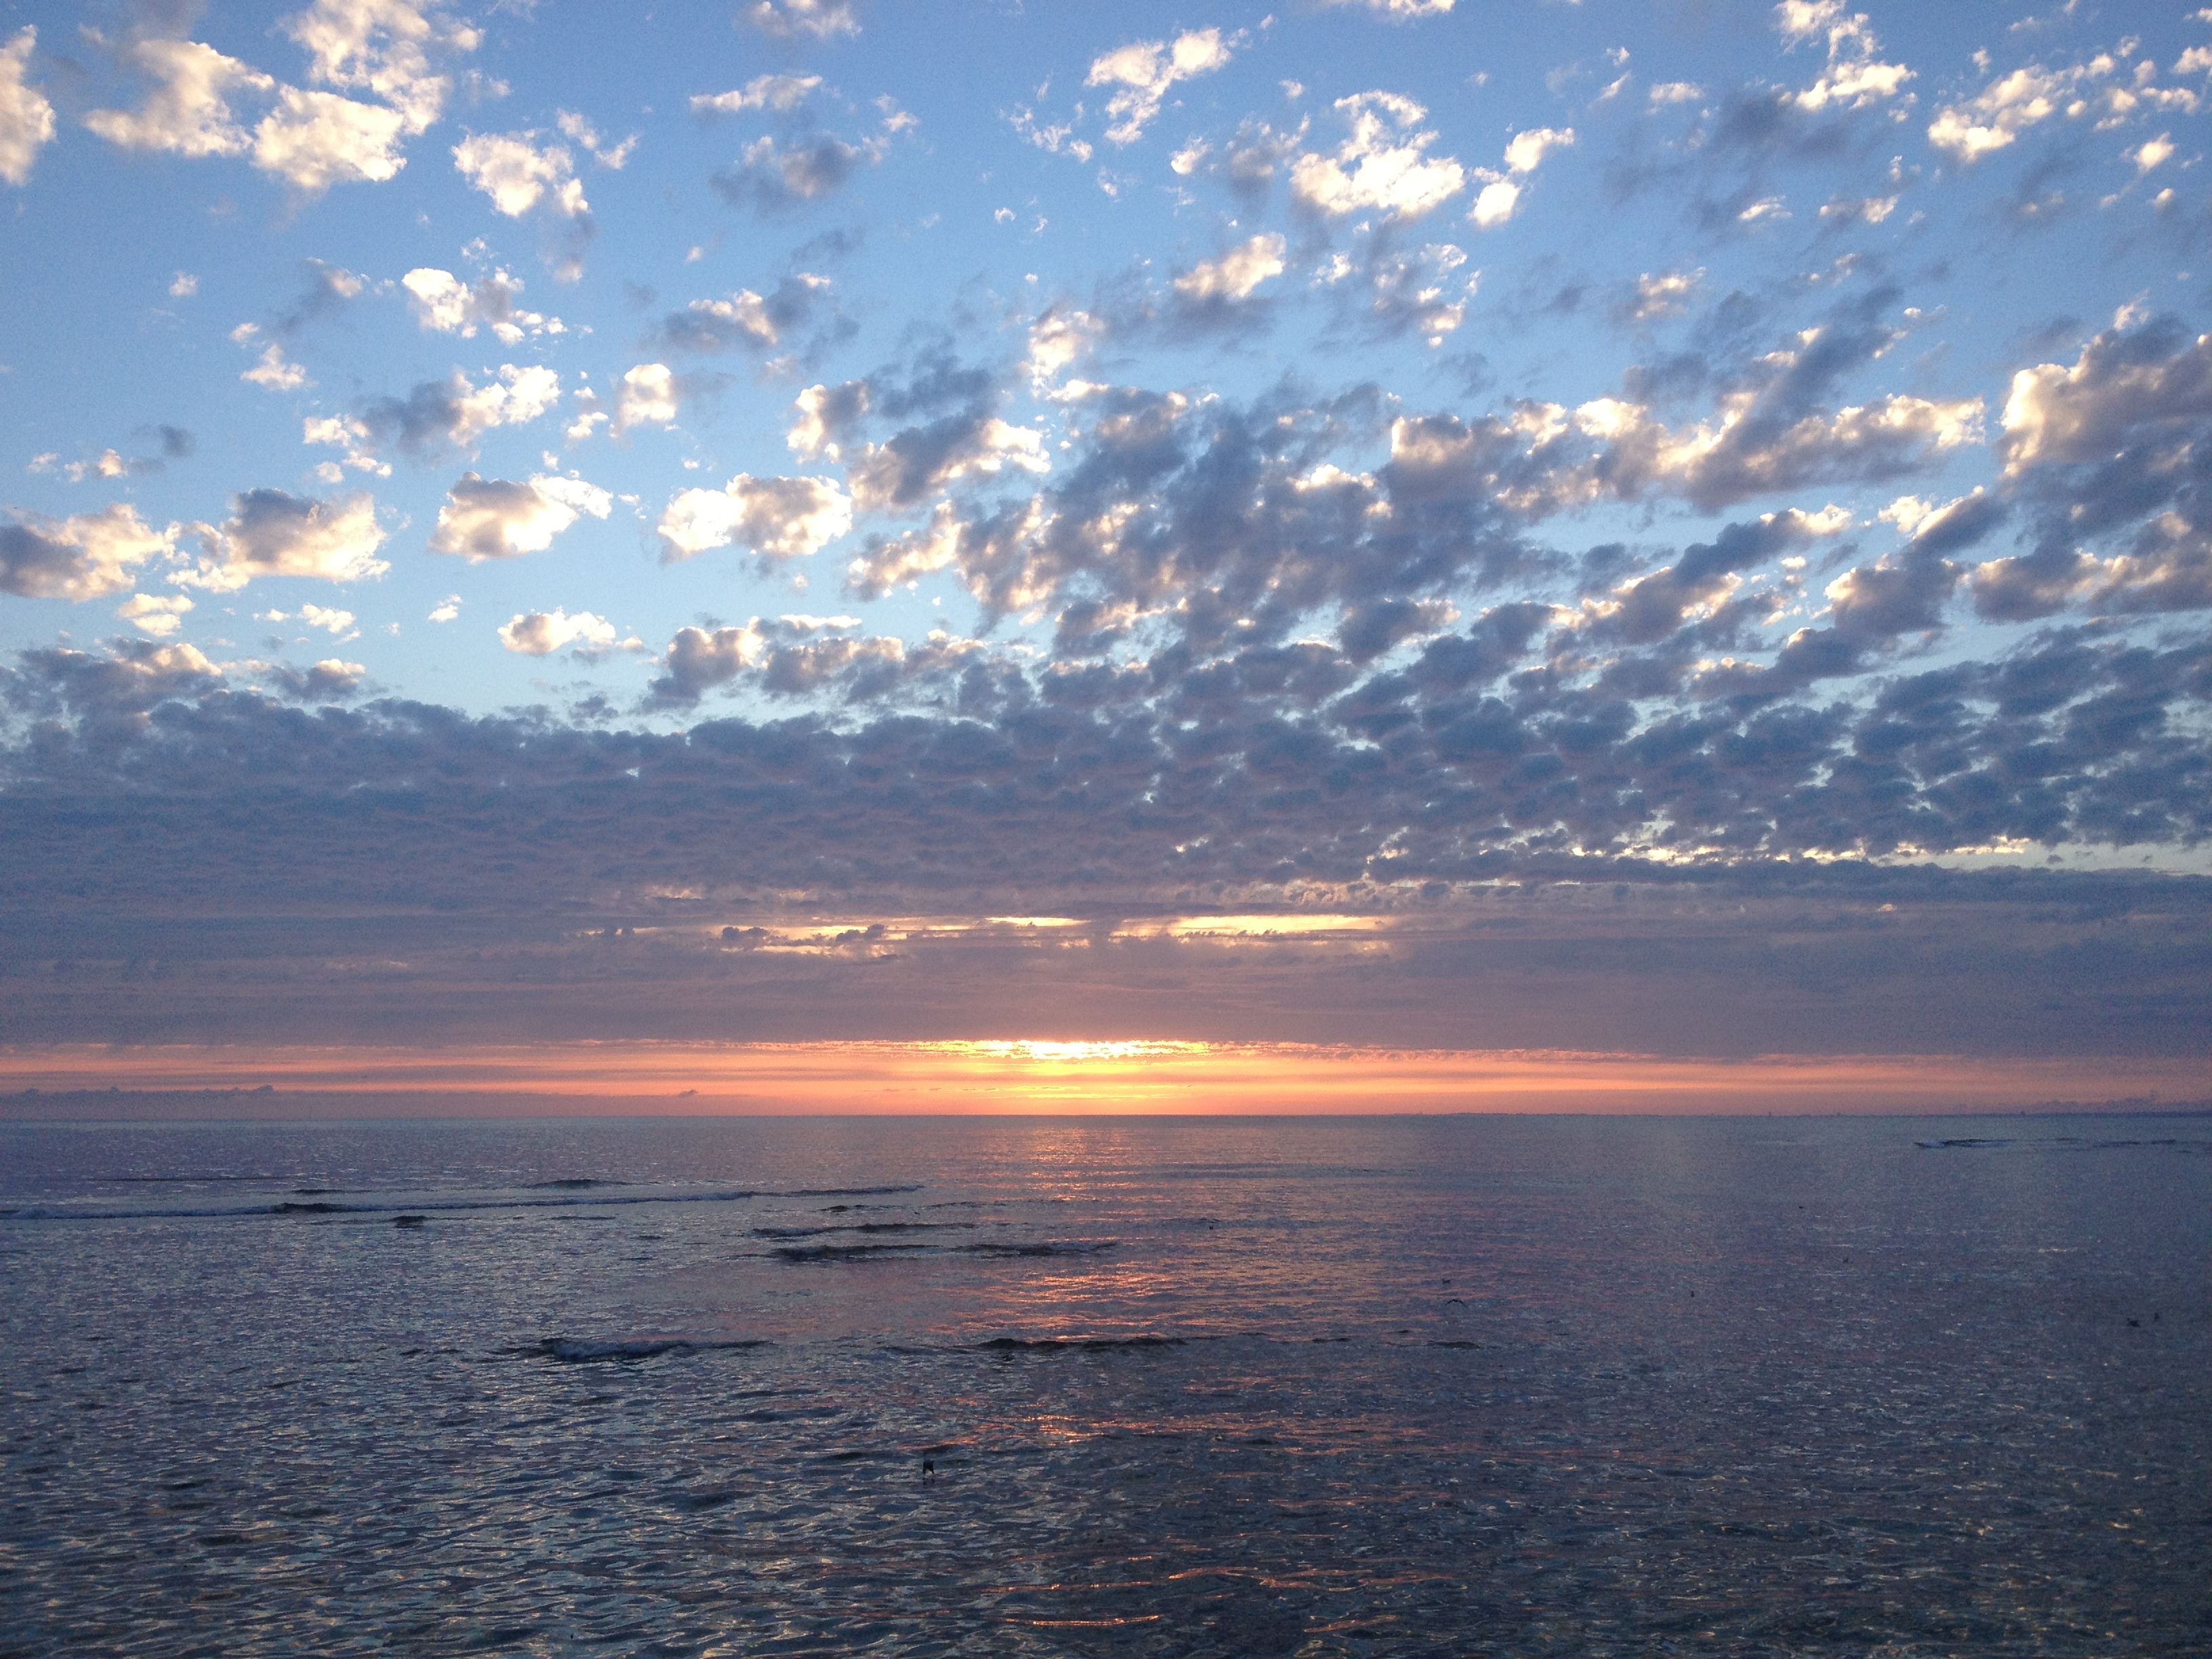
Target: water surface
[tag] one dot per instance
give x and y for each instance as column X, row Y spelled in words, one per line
column 1405, row 1386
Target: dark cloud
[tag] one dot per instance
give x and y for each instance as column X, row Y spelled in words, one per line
column 746, row 321
column 775, row 176
column 2110, row 460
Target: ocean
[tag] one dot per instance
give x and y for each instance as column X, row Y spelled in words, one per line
column 1165, row 1386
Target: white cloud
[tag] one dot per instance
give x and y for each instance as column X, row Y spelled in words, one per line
column 1854, row 77
column 275, row 371
column 27, row 119
column 517, row 397
column 382, row 47
column 1058, row 339
column 350, row 433
column 2152, row 152
column 1664, row 294
column 1494, row 204
column 1382, row 166
column 329, row 618
column 313, row 140
column 187, row 106
column 445, row 303
column 448, row 608
column 1398, row 11
column 613, row 157
column 782, row 92
column 786, row 19
column 1995, row 117
column 270, row 533
column 1528, row 150
column 1144, row 70
column 648, row 398
column 158, row 615
column 1500, row 198
column 1055, row 139
column 541, row 633
column 1676, row 92
column 184, row 285
column 520, row 176
column 1235, row 273
column 497, row 519
column 82, row 557
column 777, row 518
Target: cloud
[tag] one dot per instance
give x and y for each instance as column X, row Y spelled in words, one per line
column 1994, row 118
column 82, row 557
column 442, row 414
column 777, row 517
column 1408, row 293
column 1662, row 295
column 779, row 92
column 332, row 680
column 1527, row 150
column 522, row 177
column 1143, row 72
column 496, row 518
column 1398, row 11
column 648, row 396
column 447, row 305
column 744, row 321
column 613, row 157
column 27, row 119
column 798, row 656
column 385, row 48
column 187, row 106
column 1383, row 167
column 1235, row 273
column 158, row 616
column 519, row 175
column 329, row 618
column 270, row 533
column 1854, row 78
column 785, row 20
column 1500, row 196
column 313, row 140
column 914, row 463
column 2124, row 385
column 828, row 417
column 2113, row 459
column 109, row 696
column 1750, row 450
column 772, row 177
column 541, row 633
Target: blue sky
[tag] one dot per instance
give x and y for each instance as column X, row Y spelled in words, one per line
column 1353, row 448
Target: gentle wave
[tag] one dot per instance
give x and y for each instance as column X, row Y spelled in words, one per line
column 577, row 1351
column 288, row 1206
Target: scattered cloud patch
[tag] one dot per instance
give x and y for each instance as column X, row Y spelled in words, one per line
column 1143, row 72
column 499, row 519
column 1383, row 167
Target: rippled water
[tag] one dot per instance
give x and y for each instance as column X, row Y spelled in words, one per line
column 1463, row 1386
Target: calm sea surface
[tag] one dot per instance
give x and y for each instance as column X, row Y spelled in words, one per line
column 1454, row 1385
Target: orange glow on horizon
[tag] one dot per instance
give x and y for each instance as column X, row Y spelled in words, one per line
column 1128, row 1076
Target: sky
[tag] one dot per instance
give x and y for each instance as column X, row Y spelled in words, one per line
column 1679, row 528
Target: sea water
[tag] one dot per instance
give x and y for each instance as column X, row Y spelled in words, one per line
column 1463, row 1385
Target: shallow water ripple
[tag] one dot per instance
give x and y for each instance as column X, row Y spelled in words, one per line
column 1346, row 1389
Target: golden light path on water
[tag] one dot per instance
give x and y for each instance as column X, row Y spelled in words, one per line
column 1134, row 1075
